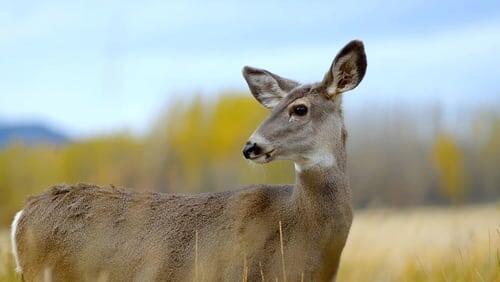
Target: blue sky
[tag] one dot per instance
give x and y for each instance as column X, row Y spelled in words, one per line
column 91, row 67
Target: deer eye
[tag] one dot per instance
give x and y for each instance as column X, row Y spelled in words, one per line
column 300, row 110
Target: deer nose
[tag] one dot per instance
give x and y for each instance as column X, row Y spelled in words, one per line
column 251, row 149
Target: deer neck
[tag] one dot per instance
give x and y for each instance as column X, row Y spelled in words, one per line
column 324, row 181
column 320, row 183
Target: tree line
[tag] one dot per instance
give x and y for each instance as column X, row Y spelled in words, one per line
column 395, row 157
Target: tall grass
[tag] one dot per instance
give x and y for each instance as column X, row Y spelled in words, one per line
column 7, row 272
column 422, row 244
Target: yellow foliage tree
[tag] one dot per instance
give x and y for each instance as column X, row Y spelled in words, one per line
column 448, row 161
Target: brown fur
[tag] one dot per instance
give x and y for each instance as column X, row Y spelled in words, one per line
column 82, row 232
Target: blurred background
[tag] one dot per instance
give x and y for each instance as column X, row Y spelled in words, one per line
column 149, row 95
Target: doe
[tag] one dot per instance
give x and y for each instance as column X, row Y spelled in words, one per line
column 262, row 232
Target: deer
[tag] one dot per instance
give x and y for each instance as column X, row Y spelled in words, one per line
column 85, row 232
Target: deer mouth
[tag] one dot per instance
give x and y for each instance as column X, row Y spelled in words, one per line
column 264, row 157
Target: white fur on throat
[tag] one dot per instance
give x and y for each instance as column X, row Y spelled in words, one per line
column 320, row 159
column 13, row 239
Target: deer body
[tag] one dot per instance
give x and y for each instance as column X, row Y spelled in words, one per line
column 85, row 232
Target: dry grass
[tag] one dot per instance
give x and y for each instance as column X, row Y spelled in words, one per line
column 7, row 272
column 425, row 244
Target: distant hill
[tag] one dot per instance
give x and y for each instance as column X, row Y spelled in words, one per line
column 30, row 134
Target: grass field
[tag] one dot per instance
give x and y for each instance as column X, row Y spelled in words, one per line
column 424, row 244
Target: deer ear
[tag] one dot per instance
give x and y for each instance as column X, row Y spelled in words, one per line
column 268, row 88
column 347, row 70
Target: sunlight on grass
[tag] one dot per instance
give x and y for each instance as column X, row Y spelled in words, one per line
column 424, row 244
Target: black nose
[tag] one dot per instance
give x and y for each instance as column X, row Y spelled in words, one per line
column 251, row 148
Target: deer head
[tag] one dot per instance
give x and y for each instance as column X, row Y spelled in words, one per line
column 306, row 123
